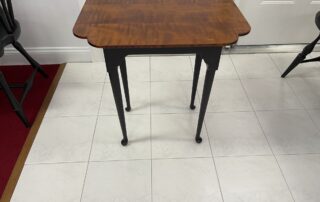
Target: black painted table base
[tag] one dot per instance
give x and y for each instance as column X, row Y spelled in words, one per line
column 116, row 58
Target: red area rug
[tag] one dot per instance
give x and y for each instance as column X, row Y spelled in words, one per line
column 13, row 134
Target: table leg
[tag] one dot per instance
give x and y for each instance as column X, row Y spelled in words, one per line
column 212, row 59
column 123, row 69
column 196, row 73
column 112, row 63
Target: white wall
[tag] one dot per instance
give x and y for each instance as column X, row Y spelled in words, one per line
column 280, row 21
column 47, row 32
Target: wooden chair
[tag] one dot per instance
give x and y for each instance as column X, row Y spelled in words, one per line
column 301, row 58
column 9, row 33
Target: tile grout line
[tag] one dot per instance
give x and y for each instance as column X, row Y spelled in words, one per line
column 68, row 116
column 205, row 125
column 54, row 163
column 313, row 121
column 169, row 158
column 303, row 106
column 214, row 161
column 212, row 156
column 295, row 94
column 235, row 69
column 94, row 132
column 150, row 113
column 274, row 63
column 260, row 125
column 305, row 109
column 169, row 113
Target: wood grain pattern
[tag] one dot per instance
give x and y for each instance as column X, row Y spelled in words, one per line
column 160, row 23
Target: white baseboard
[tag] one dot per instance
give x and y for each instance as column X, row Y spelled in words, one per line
column 47, row 55
column 293, row 48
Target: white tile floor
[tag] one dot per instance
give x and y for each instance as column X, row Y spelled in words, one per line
column 261, row 138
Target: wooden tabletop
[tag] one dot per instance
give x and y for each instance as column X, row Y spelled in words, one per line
column 160, row 23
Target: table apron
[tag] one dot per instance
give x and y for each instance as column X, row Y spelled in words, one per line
column 114, row 57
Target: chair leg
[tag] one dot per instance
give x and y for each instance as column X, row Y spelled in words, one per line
column 301, row 57
column 196, row 73
column 27, row 86
column 23, row 118
column 123, row 69
column 317, row 59
column 13, row 101
column 34, row 63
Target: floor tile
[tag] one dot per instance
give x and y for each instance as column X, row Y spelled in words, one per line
column 244, row 137
column 307, row 90
column 226, row 69
column 171, row 97
column 283, row 60
column 171, row 68
column 302, row 175
column 314, row 55
column 290, row 132
column 246, row 168
column 108, row 134
column 139, row 98
column 75, row 99
column 256, row 178
column 173, row 137
column 271, row 94
column 138, row 69
column 315, row 116
column 50, row 182
column 66, row 139
column 226, row 96
column 118, row 181
column 255, row 66
column 84, row 72
column 183, row 180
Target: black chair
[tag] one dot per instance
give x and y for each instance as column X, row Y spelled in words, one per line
column 9, row 34
column 301, row 58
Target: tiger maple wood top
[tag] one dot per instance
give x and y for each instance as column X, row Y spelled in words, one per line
column 160, row 23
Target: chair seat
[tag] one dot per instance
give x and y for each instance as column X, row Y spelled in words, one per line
column 318, row 20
